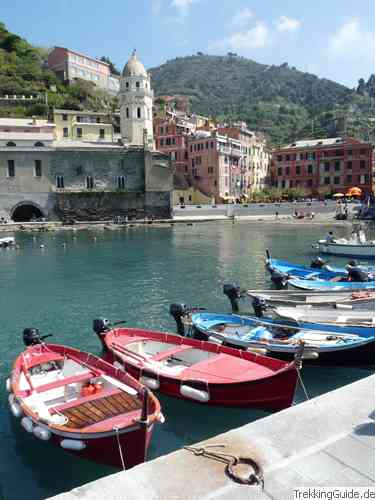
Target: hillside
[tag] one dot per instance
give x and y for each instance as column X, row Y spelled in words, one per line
column 23, row 71
column 280, row 101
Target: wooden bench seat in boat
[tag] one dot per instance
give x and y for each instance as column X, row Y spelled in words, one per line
column 82, row 377
column 96, row 410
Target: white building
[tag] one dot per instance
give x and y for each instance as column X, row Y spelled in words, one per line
column 136, row 101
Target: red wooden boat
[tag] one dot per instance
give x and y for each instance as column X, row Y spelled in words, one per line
column 202, row 371
column 83, row 404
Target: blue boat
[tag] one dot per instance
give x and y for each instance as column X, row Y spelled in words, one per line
column 332, row 286
column 324, row 344
column 290, row 269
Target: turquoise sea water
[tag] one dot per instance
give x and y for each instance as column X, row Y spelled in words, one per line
column 132, row 274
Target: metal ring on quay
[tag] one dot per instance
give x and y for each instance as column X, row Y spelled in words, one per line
column 254, row 478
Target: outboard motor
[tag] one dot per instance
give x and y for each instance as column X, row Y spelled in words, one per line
column 317, row 263
column 31, row 336
column 178, row 311
column 233, row 293
column 259, row 306
column 278, row 278
column 101, row 327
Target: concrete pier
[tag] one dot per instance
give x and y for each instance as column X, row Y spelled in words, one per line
column 327, row 441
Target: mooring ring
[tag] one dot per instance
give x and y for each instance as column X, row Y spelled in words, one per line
column 254, row 478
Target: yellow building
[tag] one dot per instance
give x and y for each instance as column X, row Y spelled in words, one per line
column 88, row 126
column 185, row 194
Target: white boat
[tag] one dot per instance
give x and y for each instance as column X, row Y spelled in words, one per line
column 7, row 242
column 325, row 315
column 356, row 246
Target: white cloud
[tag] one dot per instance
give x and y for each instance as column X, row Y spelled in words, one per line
column 352, row 40
column 254, row 38
column 182, row 5
column 156, row 6
column 287, row 24
column 242, row 17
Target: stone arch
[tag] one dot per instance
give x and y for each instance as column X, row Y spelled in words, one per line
column 25, row 211
column 39, row 144
column 11, row 144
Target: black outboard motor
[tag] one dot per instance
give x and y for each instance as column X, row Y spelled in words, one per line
column 178, row 311
column 318, row 263
column 355, row 273
column 101, row 327
column 31, row 336
column 234, row 294
column 259, row 306
column 279, row 279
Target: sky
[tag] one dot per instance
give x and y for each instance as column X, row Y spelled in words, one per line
column 333, row 39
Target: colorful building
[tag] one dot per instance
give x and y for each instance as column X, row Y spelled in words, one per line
column 69, row 65
column 324, row 166
column 84, row 126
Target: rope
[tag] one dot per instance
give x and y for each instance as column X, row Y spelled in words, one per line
column 303, row 386
column 119, row 448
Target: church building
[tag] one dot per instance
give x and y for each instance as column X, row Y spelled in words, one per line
column 55, row 170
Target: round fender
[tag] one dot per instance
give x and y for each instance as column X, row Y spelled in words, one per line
column 41, row 433
column 196, row 394
column 27, row 424
column 151, row 383
column 8, row 385
column 73, row 444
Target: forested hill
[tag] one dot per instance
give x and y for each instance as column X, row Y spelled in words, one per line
column 281, row 101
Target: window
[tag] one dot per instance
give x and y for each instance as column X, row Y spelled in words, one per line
column 349, row 165
column 121, row 182
column 206, row 145
column 89, row 182
column 337, row 166
column 310, row 169
column 326, row 166
column 60, row 182
column 79, row 170
column 280, row 171
column 309, row 183
column 327, row 180
column 79, row 132
column 283, row 184
column 287, row 171
column 127, row 85
column 11, row 144
column 11, row 168
column 279, row 158
column 336, row 180
column 298, row 169
column 161, row 130
column 349, row 179
column 98, row 119
column 210, row 170
column 65, row 118
column 138, row 112
column 350, row 152
column 78, row 119
column 212, row 144
column 362, row 164
column 287, row 157
column 161, row 142
column 39, row 145
column 38, row 168
column 65, row 132
column 137, row 85
column 102, row 133
column 127, row 113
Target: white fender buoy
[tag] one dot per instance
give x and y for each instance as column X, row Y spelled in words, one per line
column 73, row 444
column 27, row 424
column 196, row 394
column 151, row 383
column 8, row 385
column 310, row 355
column 41, row 433
column 15, row 408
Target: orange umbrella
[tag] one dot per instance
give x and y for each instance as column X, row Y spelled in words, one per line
column 354, row 191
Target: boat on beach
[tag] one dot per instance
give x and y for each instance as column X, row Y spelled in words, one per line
column 323, row 344
column 81, row 403
column 202, row 372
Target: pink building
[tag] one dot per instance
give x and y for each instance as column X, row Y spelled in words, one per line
column 68, row 65
column 171, row 137
column 214, row 165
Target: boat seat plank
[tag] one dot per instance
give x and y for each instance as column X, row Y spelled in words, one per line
column 99, row 409
column 82, row 377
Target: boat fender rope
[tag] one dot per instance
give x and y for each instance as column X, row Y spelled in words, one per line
column 231, row 461
column 303, row 386
column 119, row 448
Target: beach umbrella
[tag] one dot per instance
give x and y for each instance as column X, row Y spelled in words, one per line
column 338, row 195
column 354, row 191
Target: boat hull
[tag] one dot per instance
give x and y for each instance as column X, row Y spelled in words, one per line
column 347, row 250
column 321, row 286
column 273, row 392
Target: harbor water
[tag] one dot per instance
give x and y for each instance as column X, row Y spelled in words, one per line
column 59, row 282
